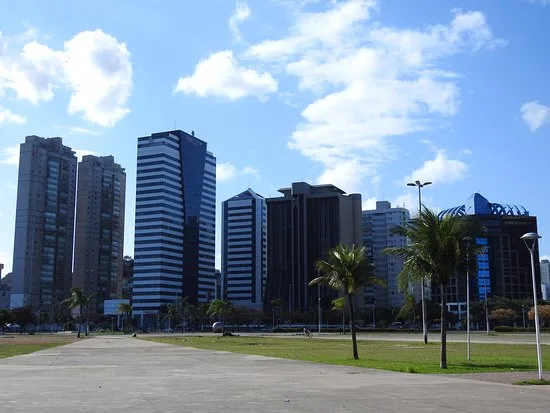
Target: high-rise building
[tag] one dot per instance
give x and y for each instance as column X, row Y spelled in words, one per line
column 124, row 290
column 545, row 271
column 244, row 249
column 377, row 235
column 302, row 226
column 175, row 223
column 44, row 224
column 504, row 266
column 99, row 234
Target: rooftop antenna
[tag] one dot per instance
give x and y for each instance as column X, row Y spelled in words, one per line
column 193, row 133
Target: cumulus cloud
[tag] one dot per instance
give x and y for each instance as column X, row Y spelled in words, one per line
column 8, row 116
column 78, row 130
column 227, row 171
column 535, row 114
column 441, row 169
column 369, row 204
column 370, row 83
column 240, row 14
column 221, row 75
column 94, row 66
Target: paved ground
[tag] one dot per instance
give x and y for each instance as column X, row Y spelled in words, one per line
column 118, row 374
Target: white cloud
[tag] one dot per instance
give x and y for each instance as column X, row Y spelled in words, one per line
column 220, row 75
column 545, row 257
column 99, row 72
column 240, row 14
column 535, row 115
column 8, row 116
column 93, row 66
column 227, row 171
column 371, row 83
column 369, row 204
column 83, row 152
column 10, row 155
column 441, row 169
column 77, row 130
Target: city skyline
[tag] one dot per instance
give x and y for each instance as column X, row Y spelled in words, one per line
column 438, row 111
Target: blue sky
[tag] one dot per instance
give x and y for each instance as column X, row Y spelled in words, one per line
column 359, row 93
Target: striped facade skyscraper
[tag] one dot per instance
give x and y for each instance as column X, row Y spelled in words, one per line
column 175, row 223
column 244, row 249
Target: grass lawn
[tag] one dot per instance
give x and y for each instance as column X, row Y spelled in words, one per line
column 16, row 344
column 411, row 357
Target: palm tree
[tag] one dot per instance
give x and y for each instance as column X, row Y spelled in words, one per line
column 77, row 299
column 86, row 303
column 436, row 251
column 219, row 308
column 346, row 270
column 172, row 314
column 126, row 310
column 339, row 304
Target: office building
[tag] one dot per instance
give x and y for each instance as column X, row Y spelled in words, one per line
column 504, row 266
column 99, row 233
column 302, row 226
column 44, row 224
column 175, row 223
column 377, row 227
column 244, row 249
column 5, row 290
column 545, row 271
column 124, row 290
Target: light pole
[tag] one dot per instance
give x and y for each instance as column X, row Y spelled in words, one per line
column 468, row 241
column 530, row 240
column 319, row 305
column 424, row 327
column 523, row 314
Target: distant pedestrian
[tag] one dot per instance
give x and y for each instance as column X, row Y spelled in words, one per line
column 307, row 333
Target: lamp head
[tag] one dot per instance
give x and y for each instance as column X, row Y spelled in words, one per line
column 530, row 236
column 411, row 184
column 427, row 183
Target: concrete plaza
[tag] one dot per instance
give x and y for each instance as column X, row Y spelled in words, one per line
column 118, row 374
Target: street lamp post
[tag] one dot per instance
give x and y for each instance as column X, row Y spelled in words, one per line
column 530, row 240
column 424, row 327
column 468, row 241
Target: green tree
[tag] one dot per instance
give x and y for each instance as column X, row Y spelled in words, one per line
column 339, row 304
column 5, row 318
column 408, row 311
column 23, row 316
column 346, row 270
column 436, row 251
column 220, row 308
column 504, row 315
column 172, row 314
column 78, row 300
column 126, row 310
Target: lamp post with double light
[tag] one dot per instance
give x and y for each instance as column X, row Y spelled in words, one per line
column 530, row 240
column 421, row 185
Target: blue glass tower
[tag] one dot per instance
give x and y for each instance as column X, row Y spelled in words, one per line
column 175, row 223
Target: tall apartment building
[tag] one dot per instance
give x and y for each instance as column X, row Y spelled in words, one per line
column 545, row 272
column 44, row 224
column 99, row 234
column 175, row 223
column 244, row 248
column 377, row 227
column 302, row 226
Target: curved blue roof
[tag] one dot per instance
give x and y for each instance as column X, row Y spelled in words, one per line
column 479, row 205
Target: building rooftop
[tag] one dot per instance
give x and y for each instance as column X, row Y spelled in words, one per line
column 477, row 204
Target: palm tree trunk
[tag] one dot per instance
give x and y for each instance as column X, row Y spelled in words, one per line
column 79, row 321
column 352, row 327
column 443, row 361
column 343, row 321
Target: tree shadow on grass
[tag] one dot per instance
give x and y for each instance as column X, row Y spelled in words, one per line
column 507, row 366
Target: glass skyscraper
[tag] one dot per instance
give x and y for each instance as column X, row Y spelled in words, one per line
column 175, row 223
column 244, row 249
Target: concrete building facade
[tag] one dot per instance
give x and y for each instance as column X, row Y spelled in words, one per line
column 99, row 234
column 44, row 224
column 545, row 271
column 175, row 223
column 244, row 248
column 302, row 226
column 377, row 228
